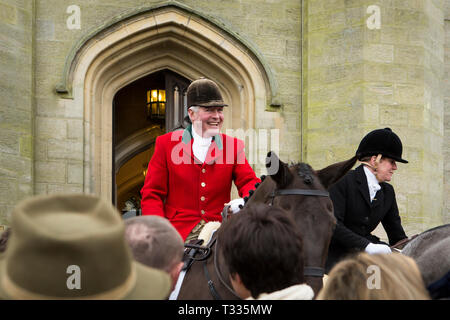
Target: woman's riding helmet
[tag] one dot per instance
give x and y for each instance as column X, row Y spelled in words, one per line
column 381, row 141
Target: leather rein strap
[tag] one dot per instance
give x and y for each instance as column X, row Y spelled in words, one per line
column 219, row 274
column 301, row 192
column 403, row 242
column 211, row 286
column 313, row 272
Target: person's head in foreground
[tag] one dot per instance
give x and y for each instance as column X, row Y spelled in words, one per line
column 375, row 277
column 155, row 243
column 73, row 247
column 263, row 250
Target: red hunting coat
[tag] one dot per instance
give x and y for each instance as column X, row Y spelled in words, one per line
column 183, row 190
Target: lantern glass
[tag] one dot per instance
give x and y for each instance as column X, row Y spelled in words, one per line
column 162, row 96
column 154, row 96
column 156, row 104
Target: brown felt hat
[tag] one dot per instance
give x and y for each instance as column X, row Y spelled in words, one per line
column 73, row 247
column 204, row 93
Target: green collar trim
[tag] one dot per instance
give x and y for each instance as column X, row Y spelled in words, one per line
column 187, row 136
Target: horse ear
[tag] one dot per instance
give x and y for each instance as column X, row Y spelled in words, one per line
column 334, row 172
column 277, row 169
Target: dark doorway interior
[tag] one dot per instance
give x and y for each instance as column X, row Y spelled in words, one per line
column 135, row 130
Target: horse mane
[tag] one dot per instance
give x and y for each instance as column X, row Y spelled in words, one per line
column 304, row 170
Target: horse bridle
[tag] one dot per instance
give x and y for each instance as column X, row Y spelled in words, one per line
column 302, row 192
column 307, row 271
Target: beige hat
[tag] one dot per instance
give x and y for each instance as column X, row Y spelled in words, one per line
column 73, row 247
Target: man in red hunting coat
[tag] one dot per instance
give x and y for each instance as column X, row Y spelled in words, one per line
column 190, row 174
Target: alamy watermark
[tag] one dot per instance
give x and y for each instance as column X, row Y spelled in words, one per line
column 374, row 20
column 74, row 280
column 257, row 141
column 73, row 22
column 374, row 280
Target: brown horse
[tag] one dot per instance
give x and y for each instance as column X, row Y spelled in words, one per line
column 300, row 191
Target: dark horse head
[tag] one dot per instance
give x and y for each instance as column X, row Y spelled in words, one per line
column 300, row 191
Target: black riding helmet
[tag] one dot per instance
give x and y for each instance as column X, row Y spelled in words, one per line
column 204, row 93
column 381, row 141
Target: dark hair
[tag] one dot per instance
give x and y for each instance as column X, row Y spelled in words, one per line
column 262, row 245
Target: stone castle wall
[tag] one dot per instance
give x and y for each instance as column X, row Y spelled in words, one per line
column 16, row 103
column 446, row 89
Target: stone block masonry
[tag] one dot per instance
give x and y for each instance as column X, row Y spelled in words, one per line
column 16, row 104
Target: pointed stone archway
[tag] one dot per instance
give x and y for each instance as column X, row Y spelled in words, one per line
column 169, row 36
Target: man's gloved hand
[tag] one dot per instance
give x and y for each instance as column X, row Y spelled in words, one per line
column 373, row 248
column 234, row 205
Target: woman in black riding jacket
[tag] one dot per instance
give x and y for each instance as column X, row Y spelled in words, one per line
column 363, row 198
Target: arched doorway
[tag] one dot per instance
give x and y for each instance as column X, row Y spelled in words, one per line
column 136, row 123
column 164, row 37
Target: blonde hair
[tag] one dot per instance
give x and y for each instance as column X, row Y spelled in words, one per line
column 400, row 279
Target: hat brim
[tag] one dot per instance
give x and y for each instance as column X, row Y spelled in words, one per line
column 151, row 284
column 211, row 104
column 384, row 154
column 400, row 160
column 387, row 155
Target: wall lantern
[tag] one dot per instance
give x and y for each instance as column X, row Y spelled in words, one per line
column 156, row 104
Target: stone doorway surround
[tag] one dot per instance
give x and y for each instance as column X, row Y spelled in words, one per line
column 148, row 39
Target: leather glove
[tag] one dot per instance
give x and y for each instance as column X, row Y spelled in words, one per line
column 373, row 248
column 235, row 205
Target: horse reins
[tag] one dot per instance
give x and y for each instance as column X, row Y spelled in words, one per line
column 219, row 275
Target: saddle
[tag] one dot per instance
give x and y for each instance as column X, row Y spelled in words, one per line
column 194, row 250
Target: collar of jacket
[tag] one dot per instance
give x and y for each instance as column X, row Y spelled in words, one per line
column 187, row 137
column 361, row 179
